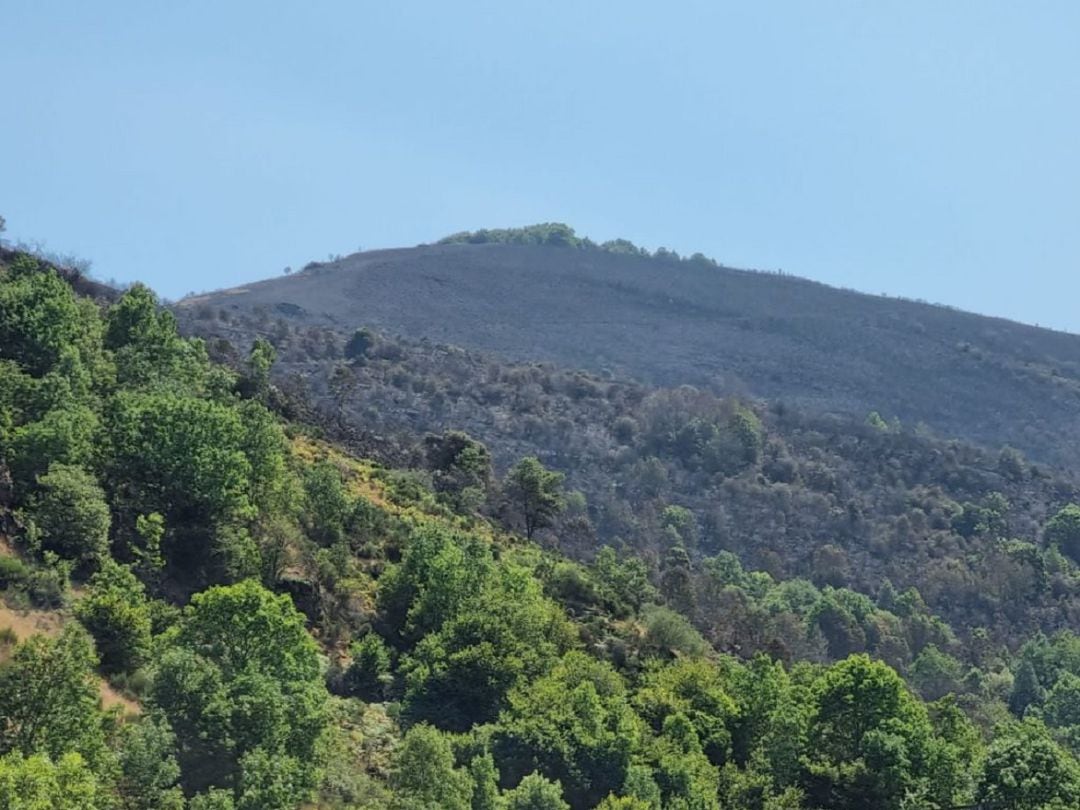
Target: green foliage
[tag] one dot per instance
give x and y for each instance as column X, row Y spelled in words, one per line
column 64, row 435
column 38, row 783
column 240, row 682
column 369, row 670
column 148, row 770
column 49, row 698
column 424, row 775
column 327, row 503
column 870, row 738
column 359, row 344
column 535, row 493
column 71, row 514
column 1026, row 770
column 461, row 469
column 146, row 346
column 39, row 318
column 549, row 233
column 536, row 793
column 695, row 691
column 1063, row 531
column 260, row 361
column 497, row 631
column 117, row 615
column 574, row 725
column 936, row 674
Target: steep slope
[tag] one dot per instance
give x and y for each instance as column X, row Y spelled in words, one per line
column 667, row 321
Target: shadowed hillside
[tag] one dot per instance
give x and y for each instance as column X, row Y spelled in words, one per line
column 668, row 321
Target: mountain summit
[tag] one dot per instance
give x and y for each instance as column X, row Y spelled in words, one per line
column 663, row 320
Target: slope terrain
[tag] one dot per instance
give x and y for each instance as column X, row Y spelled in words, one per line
column 666, row 321
column 305, row 627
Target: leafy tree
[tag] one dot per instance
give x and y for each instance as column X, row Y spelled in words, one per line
column 38, row 783
column 461, row 674
column 369, row 669
column 49, row 698
column 438, row 575
column 359, row 344
column 574, row 725
column 461, row 468
column 39, row 317
column 536, row 793
column 1063, row 531
column 64, row 435
column 260, row 361
column 147, row 347
column 686, row 779
column 535, row 494
column 624, row 583
column 695, row 691
column 148, row 770
column 1062, row 708
column 241, row 675
column 1025, row 770
column 71, row 514
column 117, row 615
column 424, row 775
column 327, row 503
column 1026, row 689
column 485, row 779
column 870, row 738
column 936, row 674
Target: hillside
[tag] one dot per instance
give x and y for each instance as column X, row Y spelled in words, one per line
column 661, row 320
column 834, row 499
column 302, row 627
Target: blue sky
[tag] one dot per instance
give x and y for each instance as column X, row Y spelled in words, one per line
column 925, row 149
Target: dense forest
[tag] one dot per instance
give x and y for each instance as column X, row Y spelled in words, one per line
column 241, row 611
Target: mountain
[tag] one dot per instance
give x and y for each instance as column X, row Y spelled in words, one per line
column 662, row 320
column 291, row 625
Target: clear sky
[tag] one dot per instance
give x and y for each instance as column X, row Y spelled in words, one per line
column 927, row 149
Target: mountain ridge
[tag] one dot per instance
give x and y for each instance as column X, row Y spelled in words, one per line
column 670, row 321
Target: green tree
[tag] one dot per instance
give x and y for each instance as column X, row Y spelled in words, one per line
column 1027, row 690
column 536, row 793
column 148, row 770
column 1026, row 770
column 1062, row 709
column 147, row 346
column 1063, row 531
column 574, row 725
column 870, row 738
column 38, row 783
column 485, row 779
column 71, row 514
column 936, row 674
column 39, row 317
column 686, row 779
column 535, row 494
column 695, row 691
column 460, row 674
column 240, row 674
column 327, row 503
column 116, row 613
column 461, row 468
column 260, row 361
column 49, row 700
column 369, row 669
column 424, row 776
column 64, row 435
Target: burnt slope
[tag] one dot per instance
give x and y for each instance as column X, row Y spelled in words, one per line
column 671, row 322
